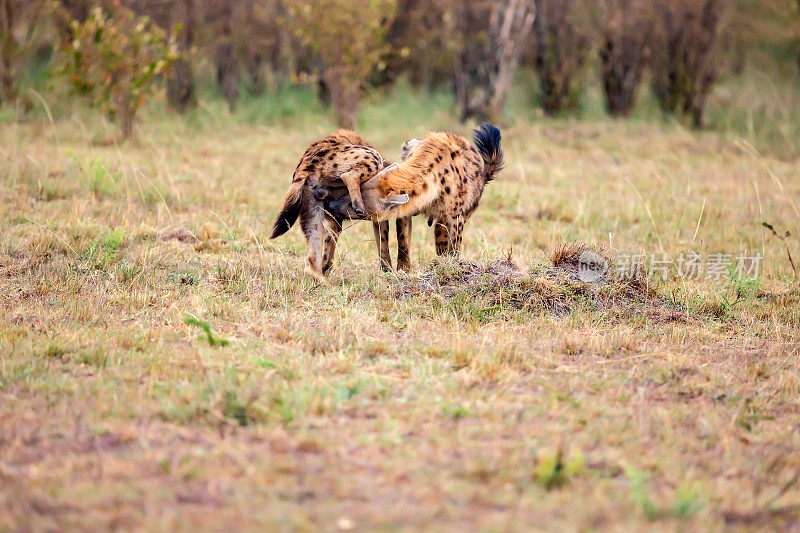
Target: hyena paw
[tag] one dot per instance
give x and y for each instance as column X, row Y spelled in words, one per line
column 359, row 208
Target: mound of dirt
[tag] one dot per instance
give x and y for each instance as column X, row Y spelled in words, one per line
column 567, row 285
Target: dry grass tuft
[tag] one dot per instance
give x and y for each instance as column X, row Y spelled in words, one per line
column 567, row 253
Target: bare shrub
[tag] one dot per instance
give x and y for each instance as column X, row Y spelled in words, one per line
column 624, row 48
column 563, row 41
column 687, row 54
column 349, row 36
column 19, row 22
column 115, row 59
column 493, row 34
column 421, row 43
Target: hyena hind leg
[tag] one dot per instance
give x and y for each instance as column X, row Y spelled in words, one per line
column 447, row 235
column 312, row 223
column 333, row 228
column 441, row 237
column 455, row 229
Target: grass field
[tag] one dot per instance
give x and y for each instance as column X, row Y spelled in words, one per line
column 163, row 365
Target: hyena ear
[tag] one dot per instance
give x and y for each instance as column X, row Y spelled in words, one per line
column 408, row 147
column 390, row 168
column 396, row 199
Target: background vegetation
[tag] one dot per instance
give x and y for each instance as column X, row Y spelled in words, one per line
column 163, row 365
column 554, row 54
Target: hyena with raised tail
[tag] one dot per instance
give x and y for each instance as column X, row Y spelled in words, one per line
column 341, row 158
column 441, row 176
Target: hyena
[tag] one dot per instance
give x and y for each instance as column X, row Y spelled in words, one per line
column 342, row 156
column 443, row 177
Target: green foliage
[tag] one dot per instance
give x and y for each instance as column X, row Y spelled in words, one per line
column 100, row 179
column 233, row 408
column 105, row 247
column 114, row 61
column 191, row 320
column 686, row 502
column 349, row 36
column 553, row 470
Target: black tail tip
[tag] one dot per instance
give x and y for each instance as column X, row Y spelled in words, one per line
column 276, row 232
column 487, row 138
column 281, row 226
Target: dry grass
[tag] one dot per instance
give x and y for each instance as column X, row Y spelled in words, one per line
column 164, row 366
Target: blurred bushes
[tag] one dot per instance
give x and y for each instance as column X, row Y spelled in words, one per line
column 113, row 60
column 349, row 38
column 563, row 42
column 687, row 54
column 474, row 48
column 624, row 50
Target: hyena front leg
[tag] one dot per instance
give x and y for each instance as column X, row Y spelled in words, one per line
column 441, row 238
column 456, row 231
column 403, row 244
column 447, row 235
column 381, row 231
column 333, row 228
column 353, row 181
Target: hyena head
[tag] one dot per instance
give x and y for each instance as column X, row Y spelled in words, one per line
column 408, row 147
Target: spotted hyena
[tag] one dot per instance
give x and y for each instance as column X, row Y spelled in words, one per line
column 343, row 158
column 441, row 176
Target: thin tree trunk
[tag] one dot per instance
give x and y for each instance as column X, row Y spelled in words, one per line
column 7, row 50
column 485, row 70
column 344, row 97
column 517, row 25
column 126, row 114
column 226, row 60
column 180, row 78
column 256, row 55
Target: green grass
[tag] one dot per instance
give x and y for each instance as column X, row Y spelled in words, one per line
column 164, row 365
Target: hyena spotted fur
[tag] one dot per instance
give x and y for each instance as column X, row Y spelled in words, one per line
column 443, row 177
column 342, row 157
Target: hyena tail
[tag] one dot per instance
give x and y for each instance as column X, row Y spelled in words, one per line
column 292, row 203
column 487, row 141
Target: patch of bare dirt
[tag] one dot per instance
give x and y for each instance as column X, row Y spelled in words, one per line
column 179, row 234
column 561, row 288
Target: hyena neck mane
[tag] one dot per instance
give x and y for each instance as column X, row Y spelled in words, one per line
column 436, row 165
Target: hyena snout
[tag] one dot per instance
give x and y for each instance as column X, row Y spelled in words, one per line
column 345, row 208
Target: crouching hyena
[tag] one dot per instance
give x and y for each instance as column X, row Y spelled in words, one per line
column 341, row 157
column 441, row 176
